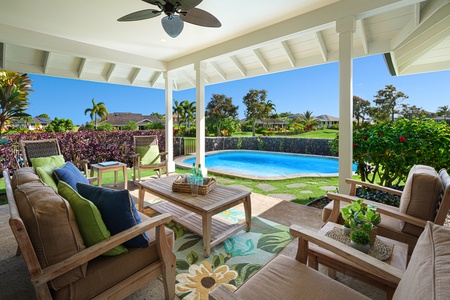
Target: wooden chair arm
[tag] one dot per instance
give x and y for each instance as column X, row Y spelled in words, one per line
column 92, row 252
column 381, row 208
column 353, row 183
column 372, row 264
column 222, row 293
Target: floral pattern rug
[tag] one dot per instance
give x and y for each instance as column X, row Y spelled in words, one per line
column 231, row 262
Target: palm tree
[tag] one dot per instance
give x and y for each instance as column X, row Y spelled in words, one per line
column 443, row 111
column 308, row 119
column 189, row 110
column 268, row 107
column 98, row 109
column 177, row 109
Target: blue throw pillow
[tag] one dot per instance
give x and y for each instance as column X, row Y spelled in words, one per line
column 70, row 174
column 117, row 209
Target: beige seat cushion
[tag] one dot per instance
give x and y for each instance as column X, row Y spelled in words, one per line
column 52, row 228
column 288, row 279
column 23, row 175
column 103, row 272
column 420, row 196
column 428, row 272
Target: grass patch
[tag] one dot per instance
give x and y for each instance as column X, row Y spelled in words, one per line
column 315, row 134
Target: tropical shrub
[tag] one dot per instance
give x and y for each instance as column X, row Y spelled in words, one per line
column 388, row 150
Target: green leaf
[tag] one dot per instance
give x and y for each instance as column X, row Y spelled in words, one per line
column 274, row 242
column 182, row 264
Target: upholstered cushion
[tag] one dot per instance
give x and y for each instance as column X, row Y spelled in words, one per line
column 45, row 172
column 70, row 174
column 23, row 175
column 420, row 196
column 149, row 154
column 89, row 219
column 117, row 209
column 56, row 160
column 52, row 228
column 428, row 272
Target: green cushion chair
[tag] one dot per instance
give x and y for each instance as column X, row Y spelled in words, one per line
column 148, row 156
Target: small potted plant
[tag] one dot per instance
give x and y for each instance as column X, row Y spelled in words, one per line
column 360, row 240
column 348, row 214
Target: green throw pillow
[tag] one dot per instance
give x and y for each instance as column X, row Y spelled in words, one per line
column 46, row 174
column 89, row 220
column 149, row 154
column 56, row 160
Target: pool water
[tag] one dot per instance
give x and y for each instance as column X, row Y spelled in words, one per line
column 269, row 164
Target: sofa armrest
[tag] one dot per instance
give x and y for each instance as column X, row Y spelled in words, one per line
column 222, row 293
column 368, row 262
column 353, row 183
column 92, row 252
column 381, row 208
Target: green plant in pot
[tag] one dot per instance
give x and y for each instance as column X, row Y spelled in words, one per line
column 348, row 214
column 360, row 240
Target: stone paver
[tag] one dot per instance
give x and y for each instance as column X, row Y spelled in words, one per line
column 286, row 197
column 266, row 187
column 242, row 187
column 295, row 185
column 306, row 192
column 328, row 188
column 312, row 182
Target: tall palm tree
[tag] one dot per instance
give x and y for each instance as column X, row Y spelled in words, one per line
column 189, row 110
column 98, row 109
column 443, row 111
column 177, row 109
column 308, row 119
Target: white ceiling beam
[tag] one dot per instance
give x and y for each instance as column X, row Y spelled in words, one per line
column 134, row 75
column 81, row 67
column 361, row 27
column 188, row 78
column 287, row 50
column 408, row 28
column 239, row 66
column 3, row 51
column 219, row 70
column 430, row 33
column 322, row 46
column 47, row 59
column 110, row 72
column 262, row 60
column 321, row 18
column 155, row 78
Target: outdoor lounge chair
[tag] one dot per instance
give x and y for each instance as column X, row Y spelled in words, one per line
column 147, row 156
column 44, row 148
column 426, row 197
column 426, row 277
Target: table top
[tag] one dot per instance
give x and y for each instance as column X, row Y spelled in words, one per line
column 99, row 166
column 218, row 198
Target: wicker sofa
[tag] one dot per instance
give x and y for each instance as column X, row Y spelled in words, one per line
column 59, row 263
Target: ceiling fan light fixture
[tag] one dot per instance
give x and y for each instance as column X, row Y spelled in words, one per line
column 173, row 25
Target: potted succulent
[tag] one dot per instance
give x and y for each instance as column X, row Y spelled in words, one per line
column 360, row 240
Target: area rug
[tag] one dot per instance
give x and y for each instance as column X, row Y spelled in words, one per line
column 230, row 262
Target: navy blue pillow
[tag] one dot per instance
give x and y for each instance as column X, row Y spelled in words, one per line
column 117, row 209
column 70, row 174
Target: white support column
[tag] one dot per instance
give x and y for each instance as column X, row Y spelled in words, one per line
column 345, row 28
column 169, row 121
column 200, row 68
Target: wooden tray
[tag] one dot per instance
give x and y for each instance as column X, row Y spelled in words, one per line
column 180, row 185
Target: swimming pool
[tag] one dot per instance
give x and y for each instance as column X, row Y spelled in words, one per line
column 265, row 165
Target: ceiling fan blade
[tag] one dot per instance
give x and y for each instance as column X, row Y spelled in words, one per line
column 199, row 17
column 140, row 15
column 188, row 4
column 154, row 2
column 173, row 25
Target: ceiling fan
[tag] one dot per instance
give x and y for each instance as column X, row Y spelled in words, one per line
column 176, row 12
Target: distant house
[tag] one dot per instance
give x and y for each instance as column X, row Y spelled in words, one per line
column 121, row 119
column 326, row 121
column 35, row 123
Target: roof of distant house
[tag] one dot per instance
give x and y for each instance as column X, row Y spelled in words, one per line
column 327, row 118
column 122, row 118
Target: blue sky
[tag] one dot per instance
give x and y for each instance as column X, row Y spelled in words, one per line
column 314, row 89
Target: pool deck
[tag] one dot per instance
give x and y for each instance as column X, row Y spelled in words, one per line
column 179, row 162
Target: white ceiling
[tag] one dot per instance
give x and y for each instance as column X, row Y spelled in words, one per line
column 82, row 39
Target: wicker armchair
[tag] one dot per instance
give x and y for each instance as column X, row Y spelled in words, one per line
column 147, row 156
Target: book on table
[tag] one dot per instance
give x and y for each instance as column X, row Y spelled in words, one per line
column 108, row 163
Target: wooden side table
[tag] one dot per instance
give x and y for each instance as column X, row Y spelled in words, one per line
column 334, row 262
column 116, row 167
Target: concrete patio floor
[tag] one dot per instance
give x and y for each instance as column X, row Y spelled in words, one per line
column 15, row 283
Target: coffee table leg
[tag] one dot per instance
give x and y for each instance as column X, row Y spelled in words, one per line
column 248, row 212
column 99, row 173
column 141, row 198
column 115, row 178
column 125, row 177
column 206, row 224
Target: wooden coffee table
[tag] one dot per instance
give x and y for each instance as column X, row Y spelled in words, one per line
column 198, row 213
column 111, row 168
column 334, row 262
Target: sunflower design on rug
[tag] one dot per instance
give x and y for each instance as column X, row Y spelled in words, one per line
column 230, row 262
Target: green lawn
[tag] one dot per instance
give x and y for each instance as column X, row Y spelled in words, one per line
column 317, row 134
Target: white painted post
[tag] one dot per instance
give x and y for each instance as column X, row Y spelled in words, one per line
column 200, row 68
column 345, row 27
column 169, row 121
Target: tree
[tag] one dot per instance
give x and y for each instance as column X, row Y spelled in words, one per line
column 409, row 112
column 443, row 111
column 44, row 116
column 267, row 109
column 14, row 91
column 255, row 102
column 308, row 120
column 159, row 116
column 387, row 101
column 131, row 125
column 361, row 108
column 177, row 109
column 218, row 110
column 189, row 110
column 98, row 109
column 59, row 125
